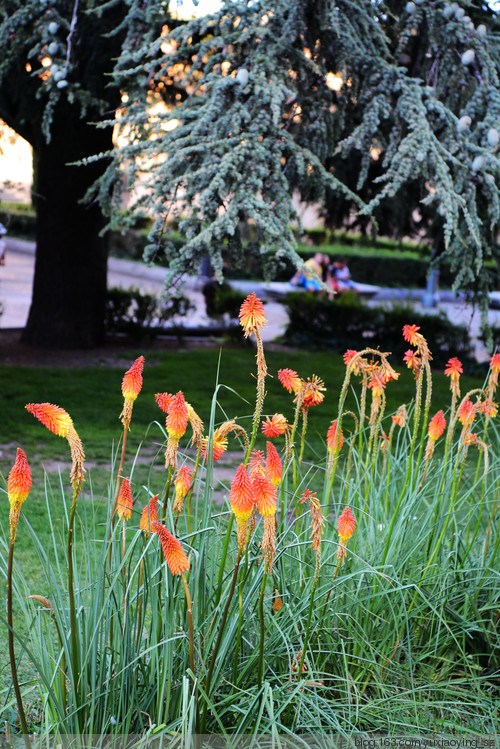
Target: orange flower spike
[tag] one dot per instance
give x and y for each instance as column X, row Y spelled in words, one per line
column 348, row 357
column 274, row 426
column 18, row 488
column 163, row 400
column 177, row 416
column 57, row 420
column 334, row 438
column 489, row 408
column 400, row 416
column 149, row 515
column 412, row 361
column 454, row 369
column 219, row 445
column 466, row 413
column 53, row 417
column 313, row 390
column 437, row 426
column 290, row 380
column 132, row 380
column 495, row 363
column 125, row 501
column 241, row 497
column 411, row 334
column 175, row 556
column 494, row 372
column 265, row 495
column 183, row 481
column 346, row 524
column 273, row 464
column 257, row 463
column 252, row 317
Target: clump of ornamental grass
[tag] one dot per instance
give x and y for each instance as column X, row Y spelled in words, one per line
column 316, row 591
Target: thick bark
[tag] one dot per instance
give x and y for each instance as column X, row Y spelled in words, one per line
column 69, row 287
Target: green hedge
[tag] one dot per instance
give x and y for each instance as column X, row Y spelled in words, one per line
column 347, row 323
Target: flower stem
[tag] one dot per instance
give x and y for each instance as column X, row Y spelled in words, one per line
column 262, row 631
column 12, row 654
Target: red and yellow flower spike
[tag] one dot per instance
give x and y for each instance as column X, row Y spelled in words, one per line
column 436, row 428
column 163, row 400
column 131, row 387
column 358, row 364
column 219, row 445
column 252, row 316
column 183, row 481
column 176, row 423
column 413, row 361
column 334, row 438
column 493, row 377
column 346, row 525
column 453, row 370
column 57, row 420
column 241, row 499
column 149, row 515
column 175, row 556
column 414, row 338
column 466, row 413
column 400, row 417
column 273, row 464
column 265, row 500
column 274, row 426
column 290, row 380
column 125, row 501
column 437, row 425
column 312, row 390
column 177, row 416
column 18, row 488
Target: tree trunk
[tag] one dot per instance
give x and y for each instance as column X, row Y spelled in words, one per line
column 69, row 286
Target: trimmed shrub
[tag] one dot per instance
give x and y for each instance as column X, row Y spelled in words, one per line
column 347, row 323
column 135, row 313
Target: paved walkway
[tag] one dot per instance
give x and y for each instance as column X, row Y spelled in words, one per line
column 16, row 278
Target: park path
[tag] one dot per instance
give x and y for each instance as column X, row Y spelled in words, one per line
column 16, row 278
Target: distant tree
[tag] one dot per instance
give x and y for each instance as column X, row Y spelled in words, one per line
column 55, row 85
column 296, row 95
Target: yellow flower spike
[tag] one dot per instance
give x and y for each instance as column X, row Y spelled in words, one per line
column 57, row 420
column 18, row 488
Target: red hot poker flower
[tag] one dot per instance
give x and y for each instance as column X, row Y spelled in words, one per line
column 163, row 400
column 252, row 317
column 241, row 496
column 273, row 464
column 175, row 555
column 53, row 417
column 18, row 487
column 313, row 391
column 437, row 426
column 265, row 494
column 346, row 524
column 132, row 380
column 334, row 438
column 400, row 416
column 290, row 380
column 257, row 463
column 410, row 334
column 19, row 481
column 466, row 412
column 274, row 426
column 495, row 363
column 454, row 369
column 177, row 416
column 125, row 501
column 149, row 515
